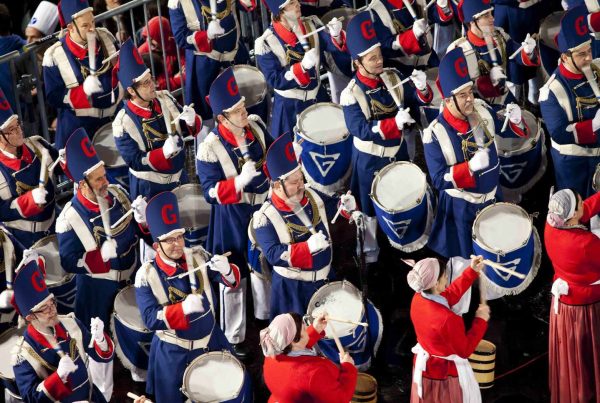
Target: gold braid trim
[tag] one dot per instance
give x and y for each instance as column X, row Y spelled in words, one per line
column 103, row 69
column 206, row 13
column 315, row 220
column 258, row 165
column 98, row 230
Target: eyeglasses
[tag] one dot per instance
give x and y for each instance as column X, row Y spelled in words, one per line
column 173, row 239
column 13, row 131
column 146, row 83
column 47, row 309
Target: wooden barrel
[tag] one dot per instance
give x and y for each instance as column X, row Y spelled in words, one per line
column 366, row 389
column 483, row 362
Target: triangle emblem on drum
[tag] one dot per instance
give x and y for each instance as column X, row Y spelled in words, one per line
column 509, row 265
column 399, row 227
column 324, row 162
column 512, row 172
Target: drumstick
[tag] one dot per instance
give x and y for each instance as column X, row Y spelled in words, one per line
column 534, row 36
column 489, row 43
column 43, row 170
column 317, row 30
column 338, row 343
column 179, row 116
column 195, row 269
column 333, row 318
column 498, row 266
column 431, row 3
column 109, row 58
column 91, row 41
column 134, row 397
column 190, row 265
column 410, row 9
column 390, row 87
column 482, row 290
column 120, row 220
column 102, row 204
column 505, row 124
column 589, row 76
column 299, row 211
column 213, row 9
column 339, row 210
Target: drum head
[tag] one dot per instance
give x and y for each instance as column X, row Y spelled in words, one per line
column 399, row 186
column 549, row 28
column 126, row 308
column 494, row 222
column 106, row 148
column 339, row 299
column 509, row 145
column 48, row 248
column 347, row 13
column 251, row 83
column 194, row 210
column 8, row 340
column 213, row 377
column 323, row 123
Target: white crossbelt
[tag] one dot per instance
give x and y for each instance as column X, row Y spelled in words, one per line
column 97, row 112
column 476, row 198
column 370, row 147
column 302, row 275
column 114, row 274
column 301, row 95
column 254, row 198
column 156, row 177
column 31, row 226
column 171, row 338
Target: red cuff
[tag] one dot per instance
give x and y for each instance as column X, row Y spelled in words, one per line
column 344, row 46
column 388, row 129
column 78, row 98
column 109, row 352
column 583, row 133
column 313, row 336
column 95, row 264
column 251, row 8
column 462, row 176
column 594, row 21
column 517, row 130
column 486, row 88
column 300, row 256
column 226, row 192
column 236, row 274
column 425, row 98
column 201, row 42
column 175, row 317
column 144, row 229
column 193, row 131
column 26, row 206
column 157, row 160
column 409, row 42
column 444, row 17
column 55, row 387
column 302, row 77
column 527, row 61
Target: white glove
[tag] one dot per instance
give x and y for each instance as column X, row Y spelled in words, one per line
column 39, row 195
column 419, row 79
column 219, row 263
column 497, row 75
column 335, row 27
column 108, row 250
column 529, row 44
column 188, row 114
column 92, row 85
column 248, row 173
column 310, row 59
column 419, row 27
column 97, row 330
column 62, row 155
column 514, row 113
column 596, row 121
column 66, row 366
column 29, row 254
column 192, row 304
column 5, row 298
column 403, row 118
column 139, row 209
column 317, row 242
column 348, row 202
column 356, row 216
column 171, row 147
column 442, row 3
column 214, row 29
column 480, row 160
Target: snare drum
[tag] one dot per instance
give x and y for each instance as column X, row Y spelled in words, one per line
column 8, row 341
column 253, row 87
column 216, row 377
column 404, row 205
column 549, row 54
column 132, row 339
column 117, row 170
column 522, row 159
column 194, row 213
column 340, row 299
column 60, row 283
column 326, row 145
column 503, row 233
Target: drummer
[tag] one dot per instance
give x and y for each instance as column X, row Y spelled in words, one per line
column 574, row 332
column 183, row 318
column 155, row 154
column 295, row 372
column 11, row 252
column 234, row 189
column 41, row 373
column 441, row 334
column 570, row 109
column 376, row 123
column 292, row 231
column 25, row 207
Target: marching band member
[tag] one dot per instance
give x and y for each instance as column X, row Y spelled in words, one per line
column 292, row 230
column 25, row 207
column 574, row 332
column 103, row 262
column 290, row 61
column 179, row 310
column 84, row 95
column 374, row 118
column 229, row 166
column 570, row 108
column 58, row 359
column 441, row 371
column 294, row 372
column 492, row 70
column 153, row 152
column 11, row 253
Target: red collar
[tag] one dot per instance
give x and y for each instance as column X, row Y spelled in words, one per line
column 280, row 204
column 457, row 123
column 168, row 268
column 90, row 205
column 60, row 334
column 397, row 3
column 369, row 82
column 144, row 113
column 568, row 74
column 15, row 163
column 80, row 52
column 230, row 138
column 285, row 34
column 477, row 41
